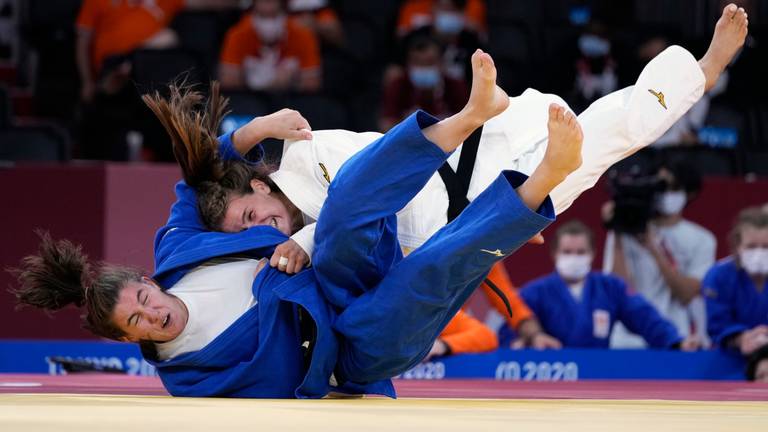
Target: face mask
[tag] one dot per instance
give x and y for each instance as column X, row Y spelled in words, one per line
column 424, row 77
column 754, row 261
column 269, row 29
column 594, row 46
column 671, row 202
column 449, row 22
column 573, row 267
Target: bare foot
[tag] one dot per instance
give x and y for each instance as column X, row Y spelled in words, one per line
column 730, row 32
column 563, row 155
column 486, row 100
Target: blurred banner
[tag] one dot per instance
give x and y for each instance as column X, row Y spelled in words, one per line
column 504, row 364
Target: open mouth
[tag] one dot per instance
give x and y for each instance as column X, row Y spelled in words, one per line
column 166, row 320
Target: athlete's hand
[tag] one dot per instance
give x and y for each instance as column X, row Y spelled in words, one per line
column 291, row 251
column 286, row 124
column 537, row 239
column 283, row 124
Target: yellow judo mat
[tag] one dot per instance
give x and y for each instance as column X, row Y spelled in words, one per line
column 74, row 412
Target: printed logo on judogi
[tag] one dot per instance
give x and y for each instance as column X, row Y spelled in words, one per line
column 659, row 96
column 601, row 323
column 497, row 252
column 325, row 173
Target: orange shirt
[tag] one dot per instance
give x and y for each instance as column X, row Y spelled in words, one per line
column 120, row 26
column 242, row 42
column 417, row 13
column 520, row 311
column 464, row 334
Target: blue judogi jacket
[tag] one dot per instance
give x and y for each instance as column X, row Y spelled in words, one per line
column 260, row 354
column 733, row 302
column 589, row 322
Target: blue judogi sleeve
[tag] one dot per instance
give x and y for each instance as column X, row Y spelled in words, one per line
column 720, row 287
column 640, row 317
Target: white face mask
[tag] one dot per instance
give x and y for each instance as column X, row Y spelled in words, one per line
column 671, row 202
column 270, row 30
column 754, row 260
column 573, row 267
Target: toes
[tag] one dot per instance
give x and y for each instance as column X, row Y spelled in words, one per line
column 570, row 118
column 487, row 60
column 552, row 111
column 730, row 9
column 476, row 61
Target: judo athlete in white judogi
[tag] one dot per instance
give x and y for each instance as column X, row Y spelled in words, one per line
column 614, row 126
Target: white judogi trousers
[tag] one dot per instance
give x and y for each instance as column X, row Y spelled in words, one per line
column 614, row 126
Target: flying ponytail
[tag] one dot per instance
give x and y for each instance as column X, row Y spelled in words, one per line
column 60, row 274
column 56, row 277
column 192, row 123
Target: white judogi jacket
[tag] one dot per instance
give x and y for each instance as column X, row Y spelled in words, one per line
column 614, row 127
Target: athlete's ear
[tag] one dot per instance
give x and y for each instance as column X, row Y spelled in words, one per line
column 260, row 186
column 149, row 281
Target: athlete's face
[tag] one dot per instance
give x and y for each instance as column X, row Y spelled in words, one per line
column 145, row 312
column 258, row 208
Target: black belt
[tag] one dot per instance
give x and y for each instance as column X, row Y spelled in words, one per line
column 457, row 186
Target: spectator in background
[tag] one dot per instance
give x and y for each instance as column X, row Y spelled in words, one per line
column 108, row 32
column 579, row 307
column 736, row 288
column 415, row 14
column 269, row 51
column 424, row 86
column 667, row 262
column 451, row 25
column 595, row 67
column 523, row 324
column 317, row 16
column 463, row 335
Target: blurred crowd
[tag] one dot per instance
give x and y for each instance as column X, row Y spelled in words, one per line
column 355, row 65
column 365, row 65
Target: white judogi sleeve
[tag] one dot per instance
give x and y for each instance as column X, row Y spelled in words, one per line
column 305, row 238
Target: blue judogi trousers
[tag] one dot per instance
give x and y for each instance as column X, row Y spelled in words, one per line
column 391, row 309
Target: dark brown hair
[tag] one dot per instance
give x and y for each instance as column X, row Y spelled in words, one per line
column 60, row 274
column 750, row 216
column 192, row 122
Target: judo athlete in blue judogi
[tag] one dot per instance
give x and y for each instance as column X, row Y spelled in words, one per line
column 373, row 313
column 736, row 288
column 579, row 307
